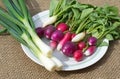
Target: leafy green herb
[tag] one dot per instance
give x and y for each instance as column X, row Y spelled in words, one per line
column 103, row 44
column 101, row 22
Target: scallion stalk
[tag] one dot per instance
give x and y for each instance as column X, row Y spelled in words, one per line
column 19, row 24
column 47, row 62
column 3, row 30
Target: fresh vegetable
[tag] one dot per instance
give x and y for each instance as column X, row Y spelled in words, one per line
column 92, row 41
column 49, row 31
column 62, row 26
column 69, row 48
column 49, row 21
column 67, row 37
column 56, row 10
column 82, row 19
column 57, row 35
column 86, row 21
column 100, row 22
column 47, row 62
column 40, row 31
column 59, row 64
column 81, row 45
column 73, row 35
column 53, row 44
column 90, row 50
column 78, row 55
column 18, row 22
column 3, row 30
column 79, row 37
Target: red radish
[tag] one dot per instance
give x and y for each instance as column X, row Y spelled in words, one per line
column 90, row 50
column 69, row 48
column 92, row 41
column 48, row 31
column 79, row 37
column 57, row 35
column 73, row 35
column 67, row 37
column 62, row 26
column 78, row 55
column 53, row 44
column 81, row 45
column 40, row 31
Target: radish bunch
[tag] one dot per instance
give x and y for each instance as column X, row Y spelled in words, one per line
column 71, row 44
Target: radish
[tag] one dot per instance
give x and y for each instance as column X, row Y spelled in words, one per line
column 53, row 44
column 62, row 26
column 48, row 31
column 92, row 41
column 90, row 50
column 49, row 21
column 69, row 48
column 78, row 55
column 79, row 37
column 40, row 31
column 57, row 35
column 67, row 37
column 73, row 35
column 81, row 45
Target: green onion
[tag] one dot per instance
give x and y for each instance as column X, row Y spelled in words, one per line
column 3, row 31
column 18, row 22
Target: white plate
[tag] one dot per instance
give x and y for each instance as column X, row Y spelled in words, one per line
column 69, row 63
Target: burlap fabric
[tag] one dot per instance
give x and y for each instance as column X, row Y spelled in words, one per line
column 14, row 64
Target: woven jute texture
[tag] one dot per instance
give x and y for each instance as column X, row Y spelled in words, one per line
column 14, row 64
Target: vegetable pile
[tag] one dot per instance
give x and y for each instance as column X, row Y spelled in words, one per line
column 73, row 28
column 100, row 22
column 78, row 29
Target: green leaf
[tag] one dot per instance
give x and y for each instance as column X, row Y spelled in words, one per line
column 3, row 31
column 58, row 7
column 23, row 8
column 10, row 25
column 17, row 8
column 12, row 19
column 76, row 13
column 114, row 26
column 72, row 2
column 30, row 20
column 82, row 25
column 115, row 18
column 116, row 34
column 70, row 15
column 13, row 32
column 11, row 9
column 95, row 33
column 64, row 3
column 86, row 12
column 114, row 10
column 81, row 7
column 53, row 5
column 104, row 43
column 17, row 4
column 63, row 19
column 109, row 37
